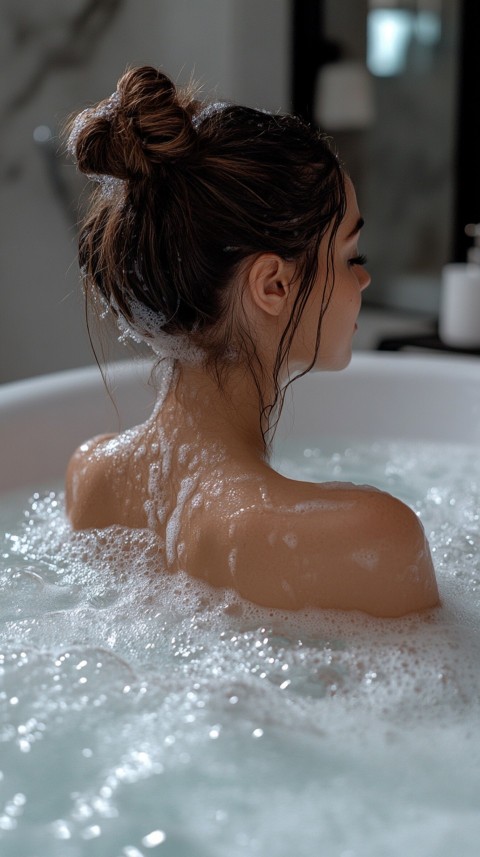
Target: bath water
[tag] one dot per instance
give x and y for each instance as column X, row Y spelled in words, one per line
column 146, row 714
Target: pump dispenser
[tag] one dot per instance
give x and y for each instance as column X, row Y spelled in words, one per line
column 459, row 315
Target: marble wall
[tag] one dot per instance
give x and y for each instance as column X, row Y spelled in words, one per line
column 56, row 57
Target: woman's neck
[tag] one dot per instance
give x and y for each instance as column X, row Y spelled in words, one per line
column 227, row 412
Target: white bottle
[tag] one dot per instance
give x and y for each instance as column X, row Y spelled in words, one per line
column 459, row 314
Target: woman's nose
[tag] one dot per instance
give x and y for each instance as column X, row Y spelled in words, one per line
column 365, row 279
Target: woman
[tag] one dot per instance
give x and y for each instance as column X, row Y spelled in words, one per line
column 228, row 239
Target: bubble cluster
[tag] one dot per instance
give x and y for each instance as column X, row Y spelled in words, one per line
column 169, row 717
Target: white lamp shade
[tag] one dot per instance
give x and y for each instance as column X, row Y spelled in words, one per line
column 344, row 97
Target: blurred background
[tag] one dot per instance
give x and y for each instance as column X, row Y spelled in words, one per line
column 395, row 83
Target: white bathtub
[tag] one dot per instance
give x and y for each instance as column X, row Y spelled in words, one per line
column 379, row 396
column 167, row 722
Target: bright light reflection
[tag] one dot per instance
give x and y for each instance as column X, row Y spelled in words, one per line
column 156, row 837
column 389, row 32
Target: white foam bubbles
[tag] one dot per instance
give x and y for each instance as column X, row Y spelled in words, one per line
column 168, row 683
column 105, row 110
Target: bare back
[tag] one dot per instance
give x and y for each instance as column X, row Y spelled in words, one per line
column 234, row 522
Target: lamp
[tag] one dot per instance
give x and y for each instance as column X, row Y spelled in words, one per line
column 344, row 97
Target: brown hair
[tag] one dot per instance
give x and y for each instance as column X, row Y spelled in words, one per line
column 187, row 193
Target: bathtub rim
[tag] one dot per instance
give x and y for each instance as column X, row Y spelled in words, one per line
column 451, row 382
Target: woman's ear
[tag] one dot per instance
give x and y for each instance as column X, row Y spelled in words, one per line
column 270, row 281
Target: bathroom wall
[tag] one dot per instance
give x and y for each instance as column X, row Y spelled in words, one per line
column 56, row 57
column 402, row 162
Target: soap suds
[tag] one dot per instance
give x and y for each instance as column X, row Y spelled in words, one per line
column 137, row 684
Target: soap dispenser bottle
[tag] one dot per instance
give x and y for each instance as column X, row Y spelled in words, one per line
column 459, row 313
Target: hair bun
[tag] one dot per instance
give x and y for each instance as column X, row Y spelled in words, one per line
column 144, row 125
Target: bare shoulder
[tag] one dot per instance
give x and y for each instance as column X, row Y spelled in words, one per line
column 334, row 546
column 87, row 484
